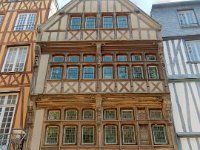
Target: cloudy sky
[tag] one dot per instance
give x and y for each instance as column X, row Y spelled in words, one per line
column 145, row 5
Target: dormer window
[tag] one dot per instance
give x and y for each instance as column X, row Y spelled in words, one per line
column 122, row 22
column 107, row 22
column 90, row 23
column 75, row 23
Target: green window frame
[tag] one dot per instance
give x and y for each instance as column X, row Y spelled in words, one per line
column 138, row 72
column 153, row 72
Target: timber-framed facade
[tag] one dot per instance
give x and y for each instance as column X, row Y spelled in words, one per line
column 100, row 81
column 18, row 24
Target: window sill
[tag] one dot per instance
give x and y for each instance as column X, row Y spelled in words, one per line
column 193, row 62
column 189, row 26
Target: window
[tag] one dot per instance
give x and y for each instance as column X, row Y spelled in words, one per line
column 54, row 115
column 7, row 110
column 73, row 58
column 90, row 23
column 88, row 73
column 71, row 114
column 75, row 23
column 128, row 134
column 58, row 59
column 107, row 22
column 69, row 135
column 193, row 48
column 89, row 58
column 136, row 58
column 72, row 73
column 153, row 72
column 25, row 21
column 110, row 114
column 51, row 135
column 122, row 72
column 150, row 57
column 121, row 58
column 56, row 73
column 155, row 114
column 138, row 72
column 107, row 72
column 126, row 114
column 159, row 134
column 88, row 135
column 187, row 18
column 110, row 133
column 1, row 19
column 88, row 114
column 107, row 58
column 15, row 59
column 122, row 22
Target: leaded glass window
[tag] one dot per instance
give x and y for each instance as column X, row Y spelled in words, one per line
column 58, row 59
column 187, row 18
column 110, row 114
column 72, row 73
column 90, row 22
column 107, row 58
column 88, row 73
column 136, row 57
column 155, row 114
column 121, row 58
column 138, row 72
column 153, row 72
column 71, row 114
column 107, row 22
column 126, row 114
column 88, row 114
column 73, row 59
column 70, row 135
column 88, row 134
column 159, row 134
column 122, row 22
column 110, row 133
column 150, row 57
column 54, row 115
column 107, row 72
column 25, row 21
column 128, row 134
column 89, row 58
column 122, row 72
column 51, row 135
column 56, row 73
column 75, row 23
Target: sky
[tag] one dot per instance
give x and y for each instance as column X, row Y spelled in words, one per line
column 145, row 5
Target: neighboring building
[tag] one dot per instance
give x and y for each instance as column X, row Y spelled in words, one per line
column 181, row 34
column 18, row 24
column 100, row 83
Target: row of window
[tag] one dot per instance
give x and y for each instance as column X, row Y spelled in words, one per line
column 111, row 132
column 105, row 58
column 73, row 73
column 90, row 22
column 108, row 114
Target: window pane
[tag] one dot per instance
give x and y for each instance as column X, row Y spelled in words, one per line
column 72, row 73
column 88, row 135
column 1, row 19
column 88, row 114
column 110, row 135
column 71, row 115
column 128, row 135
column 58, row 58
column 89, row 58
column 30, row 22
column 136, row 58
column 150, row 57
column 54, row 115
column 159, row 135
column 153, row 72
column 122, row 22
column 127, row 114
column 138, row 72
column 73, row 58
column 70, row 135
column 107, row 72
column 107, row 58
column 110, row 114
column 155, row 114
column 88, row 73
column 193, row 50
column 56, row 73
column 122, row 72
column 75, row 23
column 121, row 58
column 187, row 18
column 21, row 58
column 52, row 135
column 107, row 22
column 90, row 23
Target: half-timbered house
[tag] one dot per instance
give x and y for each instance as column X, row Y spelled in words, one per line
column 100, row 81
column 18, row 24
column 181, row 34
